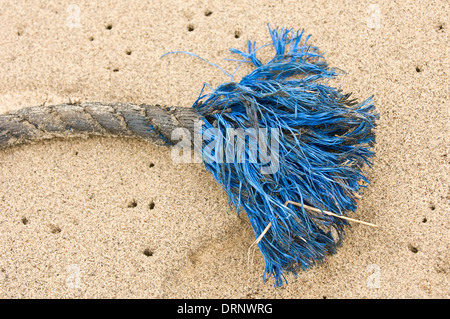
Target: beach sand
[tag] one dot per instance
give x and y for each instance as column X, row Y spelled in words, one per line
column 76, row 216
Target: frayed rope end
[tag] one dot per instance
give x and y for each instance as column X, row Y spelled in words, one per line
column 324, row 145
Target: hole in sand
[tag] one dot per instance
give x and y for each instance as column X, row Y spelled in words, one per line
column 108, row 26
column 148, row 252
column 24, row 220
column 132, row 204
column 55, row 229
column 151, row 205
column 151, row 165
column 208, row 13
column 91, row 39
column 190, row 27
column 128, row 52
column 413, row 249
column 237, row 34
column 418, row 69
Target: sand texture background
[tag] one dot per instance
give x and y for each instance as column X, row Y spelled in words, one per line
column 66, row 228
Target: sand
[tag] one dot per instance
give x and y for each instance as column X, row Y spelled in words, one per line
column 68, row 225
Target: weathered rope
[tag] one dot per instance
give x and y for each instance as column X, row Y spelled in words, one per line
column 147, row 122
column 321, row 143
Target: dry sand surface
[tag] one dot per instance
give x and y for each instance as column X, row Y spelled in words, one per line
column 76, row 216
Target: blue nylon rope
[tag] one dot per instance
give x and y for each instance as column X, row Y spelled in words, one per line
column 325, row 145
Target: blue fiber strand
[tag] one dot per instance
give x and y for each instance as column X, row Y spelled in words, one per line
column 326, row 141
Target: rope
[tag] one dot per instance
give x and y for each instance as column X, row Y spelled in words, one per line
column 152, row 123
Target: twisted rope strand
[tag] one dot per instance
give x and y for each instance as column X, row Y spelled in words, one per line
column 152, row 123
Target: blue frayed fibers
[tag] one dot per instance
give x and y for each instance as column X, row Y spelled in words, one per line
column 325, row 142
